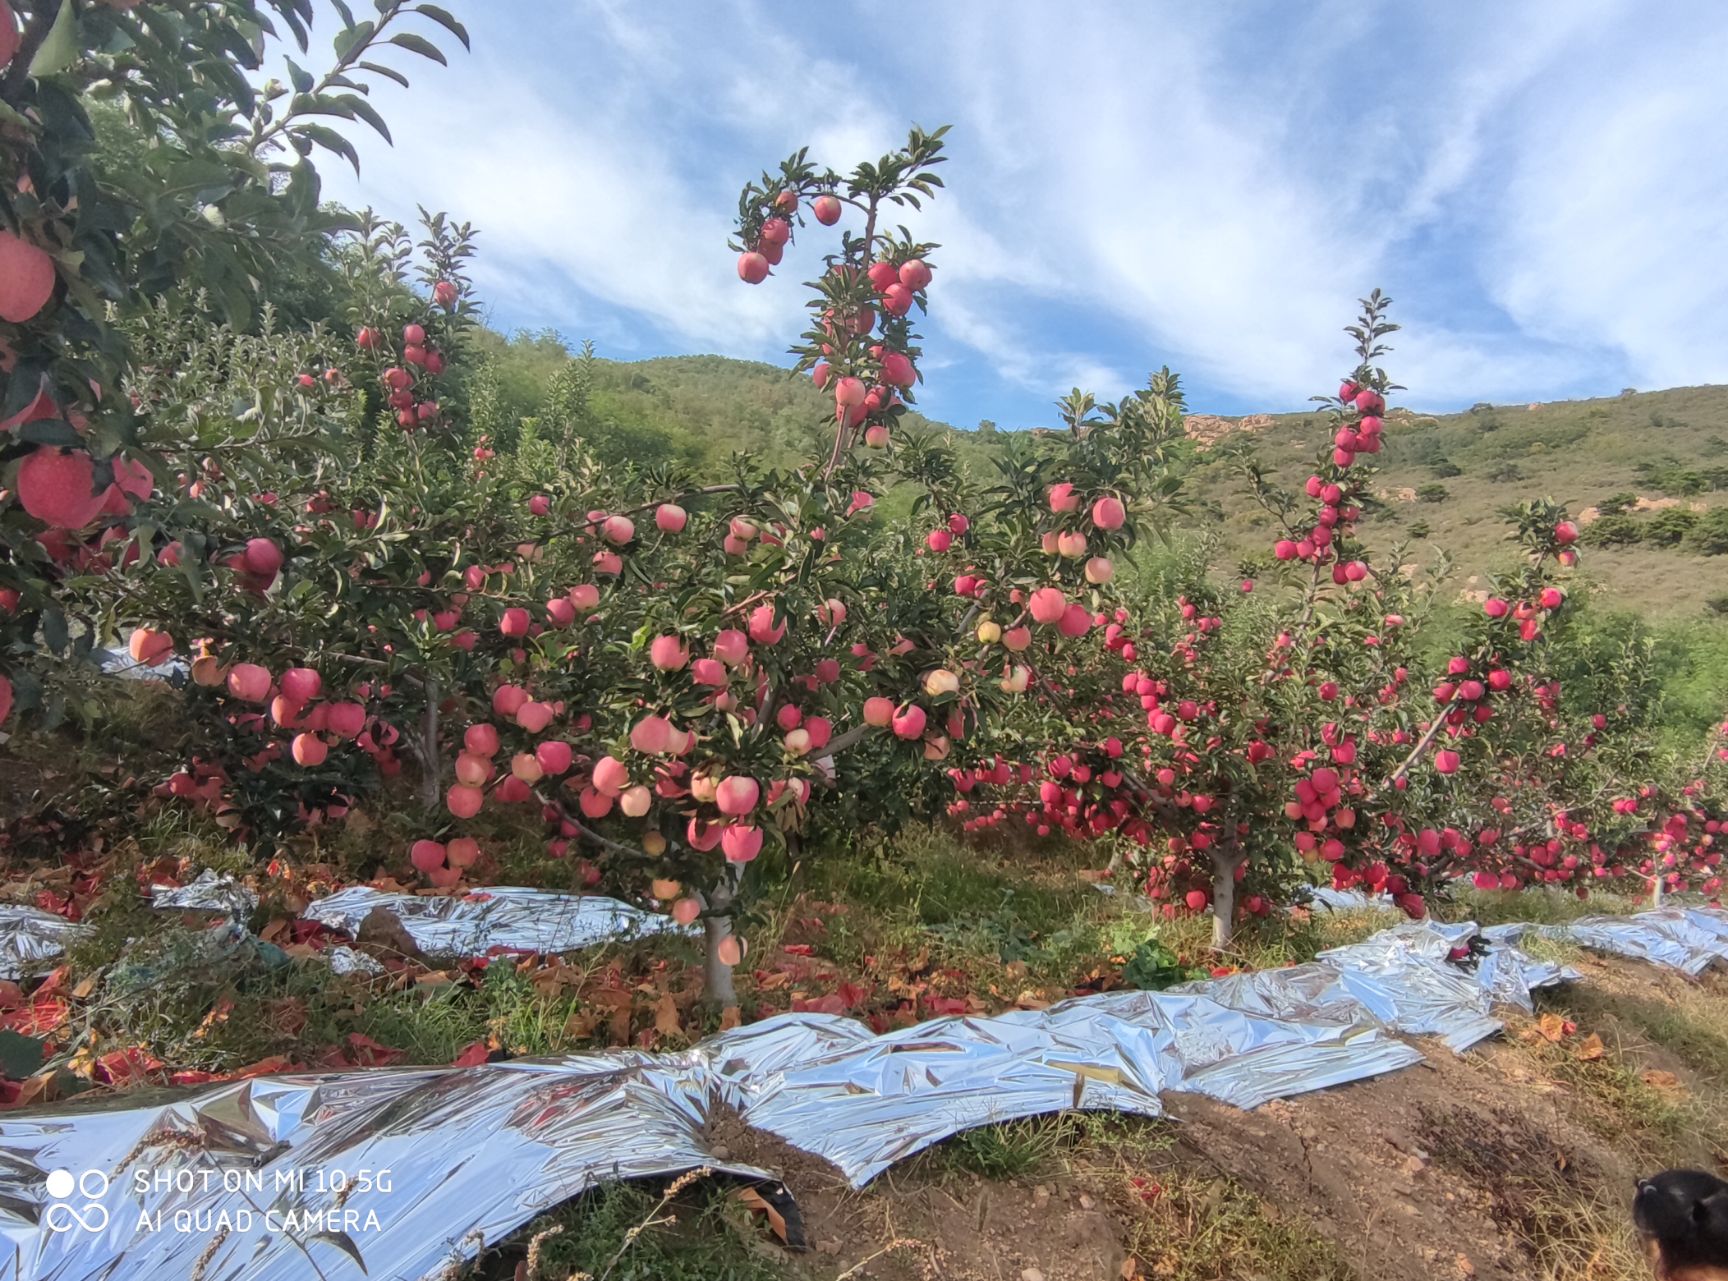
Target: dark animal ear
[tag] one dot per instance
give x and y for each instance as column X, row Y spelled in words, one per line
column 1713, row 1206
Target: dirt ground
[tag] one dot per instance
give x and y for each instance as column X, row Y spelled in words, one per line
column 1515, row 1160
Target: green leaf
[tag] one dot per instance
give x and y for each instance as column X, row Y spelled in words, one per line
column 349, row 39
column 330, row 140
column 367, row 112
column 60, row 46
column 343, row 9
column 420, row 45
column 389, row 73
column 54, row 629
column 20, row 1056
column 443, row 19
column 301, row 78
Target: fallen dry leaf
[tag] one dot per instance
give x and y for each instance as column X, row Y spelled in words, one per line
column 1589, row 1049
column 666, row 1020
column 1667, row 1082
column 1552, row 1027
column 730, row 1017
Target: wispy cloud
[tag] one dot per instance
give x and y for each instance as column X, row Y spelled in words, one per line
column 1543, row 187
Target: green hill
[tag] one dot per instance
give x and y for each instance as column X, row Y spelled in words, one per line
column 1647, row 473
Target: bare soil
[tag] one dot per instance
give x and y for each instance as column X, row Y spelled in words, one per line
column 1464, row 1167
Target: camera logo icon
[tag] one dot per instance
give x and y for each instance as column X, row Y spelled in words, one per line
column 75, row 1201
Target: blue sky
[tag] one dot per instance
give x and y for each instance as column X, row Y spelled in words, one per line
column 1543, row 187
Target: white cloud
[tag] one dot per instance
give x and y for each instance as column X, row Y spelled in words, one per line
column 1541, row 186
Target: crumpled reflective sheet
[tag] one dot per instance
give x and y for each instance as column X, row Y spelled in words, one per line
column 503, row 916
column 475, row 1153
column 211, row 892
column 1347, row 900
column 32, row 940
column 471, row 1154
column 1691, row 939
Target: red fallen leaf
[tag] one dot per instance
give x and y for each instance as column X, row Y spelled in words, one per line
column 54, row 982
column 58, row 904
column 799, row 949
column 193, row 1076
column 830, row 1004
column 1223, row 971
column 939, row 1005
column 854, row 993
column 473, row 1055
column 365, row 1052
column 267, row 1067
column 41, row 1016
column 127, row 1067
column 313, row 933
column 11, row 995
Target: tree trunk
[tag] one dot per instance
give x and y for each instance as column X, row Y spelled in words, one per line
column 1223, row 900
column 1656, row 889
column 717, row 976
column 717, row 927
column 430, row 783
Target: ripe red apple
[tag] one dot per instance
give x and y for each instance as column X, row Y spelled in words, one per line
column 445, row 293
column 514, row 622
column 740, row 844
column 669, row 518
column 876, row 436
column 731, row 646
column 1047, row 605
column 668, row 653
column 883, row 274
column 263, row 557
column 309, row 750
column 26, row 271
column 54, row 486
column 345, row 720
column 1446, row 761
column 652, row 735
column 1109, row 513
column 618, row 530
column 539, row 505
column 849, row 392
column 914, row 274
column 482, row 740
column 300, row 685
column 149, row 647
column 427, row 856
column 554, row 756
column 1063, row 498
column 897, row 300
column 464, row 802
column 752, row 268
column 775, row 231
column 762, row 628
column 249, row 682
column 897, row 370
column 611, row 776
column 826, row 210
column 737, row 795
column 1494, row 607
column 1565, row 532
column 909, row 722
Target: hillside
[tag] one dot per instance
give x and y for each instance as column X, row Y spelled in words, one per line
column 1646, row 474
column 1663, row 455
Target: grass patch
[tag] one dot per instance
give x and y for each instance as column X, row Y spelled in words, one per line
column 1186, row 1228
column 631, row 1232
column 1537, row 906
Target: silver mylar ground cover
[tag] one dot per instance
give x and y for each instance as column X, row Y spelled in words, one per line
column 474, row 1153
